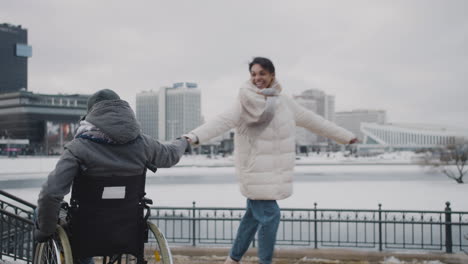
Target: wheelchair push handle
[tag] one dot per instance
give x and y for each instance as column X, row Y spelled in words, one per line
column 146, row 202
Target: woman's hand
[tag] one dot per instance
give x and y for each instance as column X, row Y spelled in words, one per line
column 191, row 138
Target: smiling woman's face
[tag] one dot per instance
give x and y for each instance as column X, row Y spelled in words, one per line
column 260, row 77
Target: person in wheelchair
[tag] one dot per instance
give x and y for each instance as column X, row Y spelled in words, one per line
column 106, row 164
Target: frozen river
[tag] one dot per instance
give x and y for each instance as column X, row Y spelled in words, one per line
column 331, row 186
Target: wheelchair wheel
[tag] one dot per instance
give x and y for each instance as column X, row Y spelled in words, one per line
column 157, row 249
column 56, row 250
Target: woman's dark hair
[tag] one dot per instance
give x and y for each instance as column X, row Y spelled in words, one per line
column 264, row 62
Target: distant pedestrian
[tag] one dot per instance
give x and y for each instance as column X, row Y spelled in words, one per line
column 265, row 121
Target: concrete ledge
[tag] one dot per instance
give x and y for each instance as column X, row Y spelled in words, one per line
column 295, row 255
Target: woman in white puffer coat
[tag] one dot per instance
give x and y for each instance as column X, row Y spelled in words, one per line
column 265, row 122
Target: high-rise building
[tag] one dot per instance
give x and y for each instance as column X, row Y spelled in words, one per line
column 330, row 108
column 46, row 121
column 303, row 136
column 352, row 120
column 320, row 103
column 171, row 112
column 14, row 54
column 147, row 111
column 325, row 103
column 183, row 109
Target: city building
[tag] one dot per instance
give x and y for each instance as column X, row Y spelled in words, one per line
column 303, row 136
column 47, row 121
column 171, row 112
column 13, row 147
column 183, row 109
column 147, row 112
column 380, row 137
column 323, row 105
column 31, row 123
column 352, row 120
column 14, row 54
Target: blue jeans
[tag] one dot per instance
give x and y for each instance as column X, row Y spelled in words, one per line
column 262, row 216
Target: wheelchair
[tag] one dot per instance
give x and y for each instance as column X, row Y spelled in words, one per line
column 105, row 221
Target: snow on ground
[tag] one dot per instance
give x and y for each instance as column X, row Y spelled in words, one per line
column 10, row 260
column 394, row 260
column 404, row 157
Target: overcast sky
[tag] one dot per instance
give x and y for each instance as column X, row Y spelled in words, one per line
column 407, row 57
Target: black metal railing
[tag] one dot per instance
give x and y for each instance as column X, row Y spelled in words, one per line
column 379, row 229
column 16, row 205
column 16, row 227
column 16, row 236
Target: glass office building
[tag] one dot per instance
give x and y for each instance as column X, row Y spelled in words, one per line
column 14, row 54
column 169, row 112
column 147, row 112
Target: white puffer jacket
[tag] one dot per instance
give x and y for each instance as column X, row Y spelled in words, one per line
column 265, row 161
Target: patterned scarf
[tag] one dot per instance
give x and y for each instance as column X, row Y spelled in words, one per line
column 89, row 131
column 258, row 107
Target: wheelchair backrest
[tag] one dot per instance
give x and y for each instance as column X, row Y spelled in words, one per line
column 107, row 215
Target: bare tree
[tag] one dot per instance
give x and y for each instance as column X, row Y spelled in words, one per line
column 451, row 160
column 455, row 162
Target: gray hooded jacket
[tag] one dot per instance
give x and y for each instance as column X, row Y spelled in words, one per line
column 128, row 156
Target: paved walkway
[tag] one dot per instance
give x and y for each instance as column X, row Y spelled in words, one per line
column 199, row 255
column 205, row 255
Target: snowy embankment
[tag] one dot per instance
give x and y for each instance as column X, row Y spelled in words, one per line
column 38, row 167
column 337, row 158
column 350, row 185
column 41, row 164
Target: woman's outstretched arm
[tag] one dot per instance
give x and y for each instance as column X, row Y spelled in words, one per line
column 317, row 124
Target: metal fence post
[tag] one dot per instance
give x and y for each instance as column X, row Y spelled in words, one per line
column 315, row 226
column 193, row 225
column 448, row 228
column 1, row 233
column 380, row 227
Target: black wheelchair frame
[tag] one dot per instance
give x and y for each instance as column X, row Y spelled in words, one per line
column 86, row 241
column 58, row 249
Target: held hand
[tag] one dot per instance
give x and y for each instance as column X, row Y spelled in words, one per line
column 191, row 138
column 353, row 141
